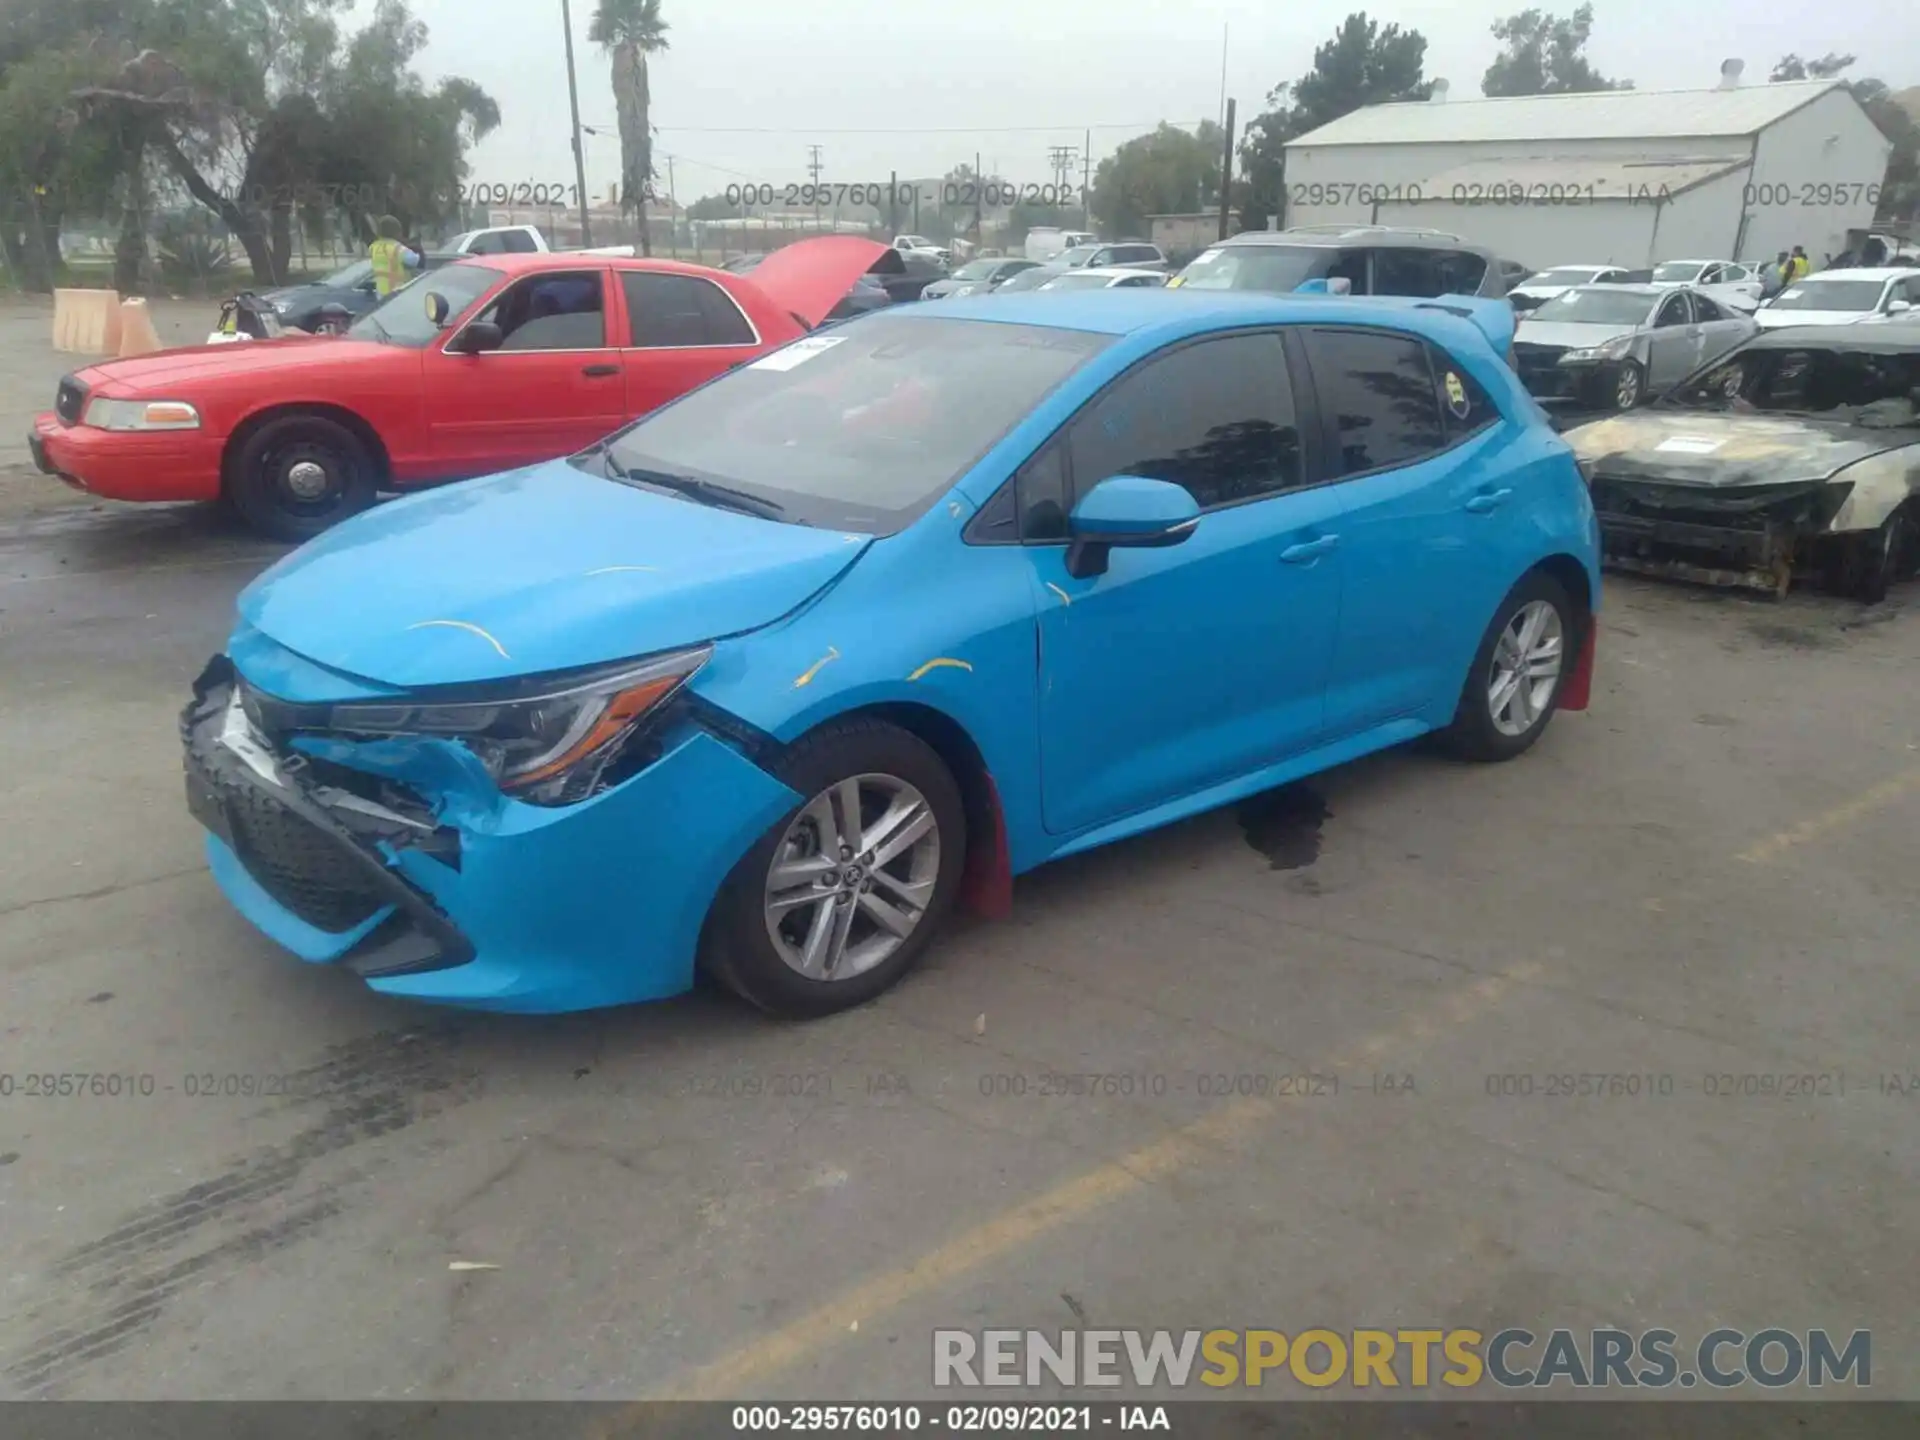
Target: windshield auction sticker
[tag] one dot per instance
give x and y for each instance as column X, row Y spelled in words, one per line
column 797, row 353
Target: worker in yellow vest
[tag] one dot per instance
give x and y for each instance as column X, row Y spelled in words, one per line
column 391, row 258
column 1800, row 265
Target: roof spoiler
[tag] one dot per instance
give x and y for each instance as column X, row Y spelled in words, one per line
column 1494, row 319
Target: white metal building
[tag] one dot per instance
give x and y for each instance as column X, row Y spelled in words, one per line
column 1623, row 177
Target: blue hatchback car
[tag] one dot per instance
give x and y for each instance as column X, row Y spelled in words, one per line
column 769, row 681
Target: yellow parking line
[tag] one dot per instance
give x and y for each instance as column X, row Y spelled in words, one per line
column 1186, row 1148
column 1829, row 820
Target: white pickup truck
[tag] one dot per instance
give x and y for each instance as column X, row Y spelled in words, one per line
column 516, row 240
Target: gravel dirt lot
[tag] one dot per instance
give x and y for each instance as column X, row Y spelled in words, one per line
column 1709, row 876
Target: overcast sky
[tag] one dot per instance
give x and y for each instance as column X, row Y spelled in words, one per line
column 748, row 85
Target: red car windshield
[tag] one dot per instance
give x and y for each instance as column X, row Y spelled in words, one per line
column 403, row 320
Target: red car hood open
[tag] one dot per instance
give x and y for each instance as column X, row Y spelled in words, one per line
column 143, row 373
column 810, row 277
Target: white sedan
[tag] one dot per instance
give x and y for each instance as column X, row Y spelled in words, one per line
column 1843, row 297
column 1537, row 289
column 1106, row 278
column 1727, row 281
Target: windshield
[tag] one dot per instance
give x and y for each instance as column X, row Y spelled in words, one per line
column 1030, row 279
column 1079, row 255
column 1855, row 387
column 977, row 270
column 351, row 276
column 1677, row 272
column 1256, row 267
column 858, row 430
column 1595, row 307
column 1830, row 295
column 403, row 320
column 1562, row 277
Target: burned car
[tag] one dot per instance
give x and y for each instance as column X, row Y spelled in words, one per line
column 1613, row 345
column 1797, row 455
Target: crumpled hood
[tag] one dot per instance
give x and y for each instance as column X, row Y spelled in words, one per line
column 1720, row 451
column 1567, row 334
column 546, row 568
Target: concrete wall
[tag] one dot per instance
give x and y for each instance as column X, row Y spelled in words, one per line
column 1830, row 142
column 1403, row 165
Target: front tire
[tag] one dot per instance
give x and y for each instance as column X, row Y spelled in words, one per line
column 1629, row 386
column 299, row 475
column 842, row 895
column 1871, row 564
column 1518, row 672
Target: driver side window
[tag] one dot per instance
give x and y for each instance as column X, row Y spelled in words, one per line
column 563, row 310
column 1673, row 311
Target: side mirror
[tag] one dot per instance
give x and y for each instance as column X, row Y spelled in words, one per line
column 1129, row 511
column 1899, row 307
column 478, row 338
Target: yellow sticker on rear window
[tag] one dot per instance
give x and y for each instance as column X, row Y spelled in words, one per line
column 1457, row 396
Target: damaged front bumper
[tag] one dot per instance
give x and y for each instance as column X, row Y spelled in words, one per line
column 1755, row 538
column 415, row 874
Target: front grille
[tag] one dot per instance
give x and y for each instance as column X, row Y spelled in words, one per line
column 70, row 401
column 302, row 867
column 299, row 865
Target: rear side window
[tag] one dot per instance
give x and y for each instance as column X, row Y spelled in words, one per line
column 669, row 312
column 1461, row 272
column 1380, row 395
column 1216, row 417
column 1463, row 403
column 1407, row 272
column 518, row 242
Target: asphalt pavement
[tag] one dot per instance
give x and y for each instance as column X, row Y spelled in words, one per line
column 1709, row 877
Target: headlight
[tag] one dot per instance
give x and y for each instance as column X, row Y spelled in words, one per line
column 959, row 290
column 142, row 415
column 548, row 746
column 1613, row 350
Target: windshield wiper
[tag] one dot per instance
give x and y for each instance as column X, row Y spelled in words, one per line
column 710, row 492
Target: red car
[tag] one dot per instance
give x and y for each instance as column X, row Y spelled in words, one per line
column 482, row 366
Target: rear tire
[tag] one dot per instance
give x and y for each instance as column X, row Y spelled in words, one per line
column 1518, row 672
column 300, row 475
column 796, row 928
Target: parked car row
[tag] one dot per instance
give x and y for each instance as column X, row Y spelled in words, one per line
column 436, row 747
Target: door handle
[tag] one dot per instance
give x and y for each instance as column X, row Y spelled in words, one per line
column 1309, row 550
column 1488, row 500
column 599, row 371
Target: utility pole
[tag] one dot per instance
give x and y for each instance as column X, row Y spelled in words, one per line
column 893, row 205
column 1226, row 174
column 979, row 189
column 673, row 216
column 579, row 151
column 814, row 168
column 1086, row 191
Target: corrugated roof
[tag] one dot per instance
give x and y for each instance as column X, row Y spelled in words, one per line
column 1572, row 182
column 1601, row 115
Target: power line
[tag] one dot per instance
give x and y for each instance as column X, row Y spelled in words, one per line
column 911, row 129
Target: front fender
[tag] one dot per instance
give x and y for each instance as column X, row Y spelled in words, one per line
column 957, row 638
column 1881, row 484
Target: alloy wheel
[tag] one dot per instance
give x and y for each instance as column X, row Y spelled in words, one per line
column 1626, row 390
column 1527, row 661
column 852, row 877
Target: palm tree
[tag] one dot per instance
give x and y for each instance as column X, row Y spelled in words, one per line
column 632, row 30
